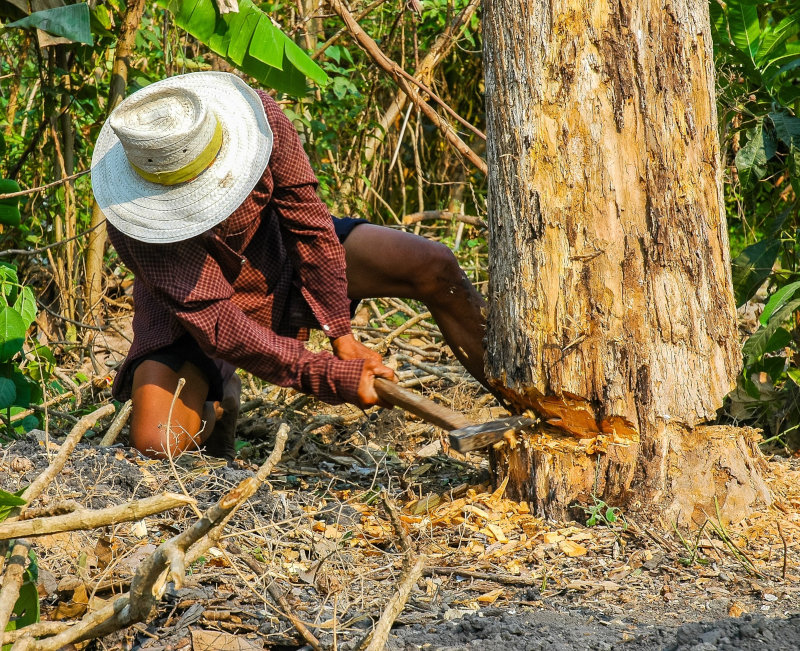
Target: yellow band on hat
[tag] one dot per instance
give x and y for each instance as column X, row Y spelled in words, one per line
column 190, row 171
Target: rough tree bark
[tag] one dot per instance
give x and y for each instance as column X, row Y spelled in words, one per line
column 611, row 308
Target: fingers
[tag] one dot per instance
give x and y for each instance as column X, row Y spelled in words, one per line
column 366, row 388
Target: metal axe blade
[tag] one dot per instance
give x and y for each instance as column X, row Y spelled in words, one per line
column 474, row 437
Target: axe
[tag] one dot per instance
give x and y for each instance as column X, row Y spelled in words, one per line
column 464, row 435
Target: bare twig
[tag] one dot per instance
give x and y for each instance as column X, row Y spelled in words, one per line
column 167, row 563
column 399, row 530
column 42, row 481
column 61, row 397
column 116, row 426
column 9, row 252
column 395, row 606
column 81, row 519
column 414, row 217
column 402, row 79
column 401, row 329
column 13, row 579
column 785, row 551
column 22, row 193
column 437, row 53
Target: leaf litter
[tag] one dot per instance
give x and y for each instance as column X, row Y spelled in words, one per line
column 326, row 541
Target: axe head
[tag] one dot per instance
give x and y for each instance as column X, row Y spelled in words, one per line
column 474, row 437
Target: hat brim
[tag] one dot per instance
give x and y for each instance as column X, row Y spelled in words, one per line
column 151, row 212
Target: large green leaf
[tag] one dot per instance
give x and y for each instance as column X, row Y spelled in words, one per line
column 249, row 41
column 241, row 35
column 719, row 22
column 71, row 22
column 12, row 332
column 26, row 306
column 9, row 208
column 743, row 25
column 758, row 342
column 304, row 63
column 267, row 43
column 787, row 128
column 752, row 267
column 8, row 393
column 778, row 300
column 751, row 160
column 772, row 38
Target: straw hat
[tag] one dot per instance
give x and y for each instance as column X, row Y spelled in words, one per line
column 179, row 156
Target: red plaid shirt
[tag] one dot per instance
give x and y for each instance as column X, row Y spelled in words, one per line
column 243, row 289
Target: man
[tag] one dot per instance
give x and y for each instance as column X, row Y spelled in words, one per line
column 212, row 203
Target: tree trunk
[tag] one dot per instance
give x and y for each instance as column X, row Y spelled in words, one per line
column 611, row 306
column 119, row 82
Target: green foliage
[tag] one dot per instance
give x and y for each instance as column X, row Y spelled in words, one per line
column 758, row 58
column 9, row 208
column 70, row 22
column 249, row 41
column 18, row 382
column 601, row 513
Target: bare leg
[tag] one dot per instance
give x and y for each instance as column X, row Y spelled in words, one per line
column 194, row 420
column 384, row 262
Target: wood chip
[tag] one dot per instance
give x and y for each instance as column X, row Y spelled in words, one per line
column 572, row 549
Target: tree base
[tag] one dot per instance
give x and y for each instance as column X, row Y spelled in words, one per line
column 683, row 476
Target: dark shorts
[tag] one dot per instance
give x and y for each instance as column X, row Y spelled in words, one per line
column 186, row 349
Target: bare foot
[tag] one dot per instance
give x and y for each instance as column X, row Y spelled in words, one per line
column 222, row 441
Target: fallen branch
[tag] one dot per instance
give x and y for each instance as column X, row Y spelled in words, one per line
column 167, row 563
column 40, row 629
column 13, row 578
column 76, row 434
column 401, row 329
column 395, row 606
column 116, row 426
column 81, row 519
column 286, row 610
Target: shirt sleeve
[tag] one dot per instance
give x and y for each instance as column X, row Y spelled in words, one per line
column 311, row 241
column 188, row 282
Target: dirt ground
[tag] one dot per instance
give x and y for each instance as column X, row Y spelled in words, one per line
column 326, row 534
column 497, row 577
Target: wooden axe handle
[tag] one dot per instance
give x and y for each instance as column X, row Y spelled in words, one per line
column 428, row 410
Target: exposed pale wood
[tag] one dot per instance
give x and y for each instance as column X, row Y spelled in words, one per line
column 610, row 274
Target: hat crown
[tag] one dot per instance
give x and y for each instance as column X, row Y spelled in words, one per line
column 163, row 130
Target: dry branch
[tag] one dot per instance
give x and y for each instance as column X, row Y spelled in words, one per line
column 395, row 606
column 35, row 630
column 13, row 579
column 116, row 426
column 81, row 519
column 439, row 50
column 401, row 329
column 405, row 81
column 414, row 217
column 42, row 481
column 167, row 563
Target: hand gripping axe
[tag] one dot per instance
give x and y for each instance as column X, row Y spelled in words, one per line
column 464, row 435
